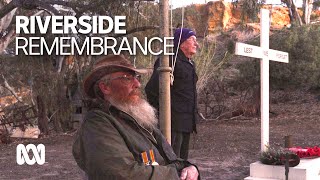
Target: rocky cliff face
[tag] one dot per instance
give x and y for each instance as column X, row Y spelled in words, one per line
column 219, row 15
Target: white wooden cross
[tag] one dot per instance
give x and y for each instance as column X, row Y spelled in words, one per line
column 265, row 54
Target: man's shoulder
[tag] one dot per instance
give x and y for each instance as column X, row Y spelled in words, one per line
column 97, row 115
column 98, row 120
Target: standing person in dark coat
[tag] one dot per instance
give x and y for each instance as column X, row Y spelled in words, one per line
column 119, row 138
column 183, row 91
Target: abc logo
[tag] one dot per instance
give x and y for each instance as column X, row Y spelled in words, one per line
column 38, row 154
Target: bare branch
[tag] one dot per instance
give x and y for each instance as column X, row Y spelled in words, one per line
column 7, row 86
column 46, row 4
column 6, row 21
column 138, row 29
column 33, row 4
column 49, row 8
column 7, row 9
column 5, row 41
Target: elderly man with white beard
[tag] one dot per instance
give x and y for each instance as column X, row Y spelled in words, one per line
column 119, row 138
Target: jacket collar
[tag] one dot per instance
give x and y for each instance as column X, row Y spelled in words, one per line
column 181, row 56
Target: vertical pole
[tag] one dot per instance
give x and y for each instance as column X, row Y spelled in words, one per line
column 288, row 141
column 264, row 75
column 164, row 82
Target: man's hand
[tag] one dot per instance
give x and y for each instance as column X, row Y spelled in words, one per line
column 189, row 173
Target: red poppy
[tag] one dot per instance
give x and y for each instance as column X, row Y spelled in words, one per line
column 306, row 152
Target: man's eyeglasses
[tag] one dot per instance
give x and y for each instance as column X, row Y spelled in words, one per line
column 127, row 78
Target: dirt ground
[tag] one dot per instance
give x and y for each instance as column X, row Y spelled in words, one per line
column 223, row 149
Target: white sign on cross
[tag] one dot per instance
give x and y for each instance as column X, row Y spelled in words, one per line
column 265, row 54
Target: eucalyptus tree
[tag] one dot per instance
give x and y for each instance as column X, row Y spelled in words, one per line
column 250, row 9
column 54, row 78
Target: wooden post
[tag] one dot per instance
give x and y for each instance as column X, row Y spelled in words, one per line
column 164, row 81
column 288, row 141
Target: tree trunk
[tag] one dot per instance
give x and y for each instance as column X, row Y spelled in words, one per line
column 4, row 24
column 42, row 118
column 60, row 61
column 55, row 119
column 293, row 12
column 56, row 124
column 307, row 10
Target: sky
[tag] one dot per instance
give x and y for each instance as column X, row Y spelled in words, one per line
column 180, row 3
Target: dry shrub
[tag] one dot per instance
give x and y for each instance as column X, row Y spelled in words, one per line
column 4, row 136
column 214, row 97
column 206, row 63
column 249, row 103
column 280, row 97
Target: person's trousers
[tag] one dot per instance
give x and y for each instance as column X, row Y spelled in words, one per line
column 180, row 143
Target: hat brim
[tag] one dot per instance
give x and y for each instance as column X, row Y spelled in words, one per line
column 98, row 73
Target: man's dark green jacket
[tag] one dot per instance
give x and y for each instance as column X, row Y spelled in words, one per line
column 110, row 144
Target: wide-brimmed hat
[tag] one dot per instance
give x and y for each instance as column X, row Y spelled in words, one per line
column 107, row 65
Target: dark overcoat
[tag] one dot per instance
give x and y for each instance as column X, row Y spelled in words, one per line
column 183, row 93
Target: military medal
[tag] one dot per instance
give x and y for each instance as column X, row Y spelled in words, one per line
column 148, row 158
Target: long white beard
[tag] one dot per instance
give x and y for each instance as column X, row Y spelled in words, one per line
column 142, row 112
